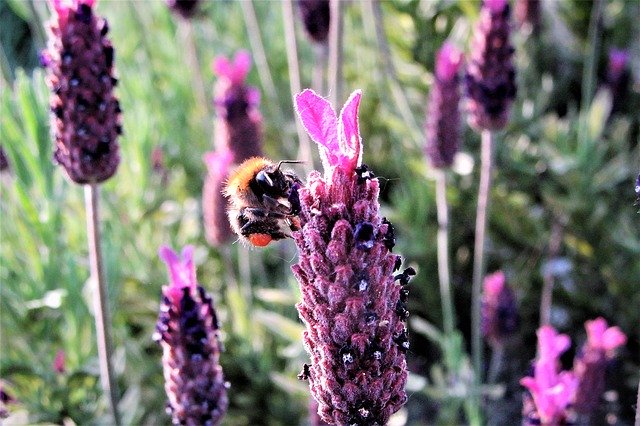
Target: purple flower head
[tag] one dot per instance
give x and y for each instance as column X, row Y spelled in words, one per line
column 490, row 76
column 239, row 123
column 590, row 364
column 618, row 60
column 499, row 311
column 316, row 18
column 340, row 144
column 187, row 330
column 552, row 390
column 85, row 114
column 5, row 399
column 185, row 8
column 4, row 161
column 352, row 305
column 214, row 204
column 443, row 114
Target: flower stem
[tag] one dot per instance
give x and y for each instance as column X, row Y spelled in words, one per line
column 186, row 34
column 100, row 300
column 443, row 253
column 478, row 254
column 304, row 150
column 548, row 276
column 255, row 39
column 335, row 51
column 637, row 422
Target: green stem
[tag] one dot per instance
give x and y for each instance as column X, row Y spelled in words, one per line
column 304, row 149
column 335, row 52
column 479, row 258
column 443, row 253
column 100, row 300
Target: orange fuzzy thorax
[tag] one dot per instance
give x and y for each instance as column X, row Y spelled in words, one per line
column 238, row 181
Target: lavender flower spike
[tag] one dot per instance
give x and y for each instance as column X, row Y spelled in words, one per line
column 238, row 125
column 443, row 116
column 551, row 391
column 352, row 306
column 315, row 17
column 490, row 76
column 214, row 204
column 85, row 114
column 590, row 365
column 499, row 310
column 187, row 330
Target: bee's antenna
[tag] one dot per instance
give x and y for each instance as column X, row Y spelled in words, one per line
column 289, row 162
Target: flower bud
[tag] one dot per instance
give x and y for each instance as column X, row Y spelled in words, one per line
column 238, row 124
column 315, row 17
column 85, row 114
column 490, row 77
column 187, row 330
column 443, row 115
column 353, row 306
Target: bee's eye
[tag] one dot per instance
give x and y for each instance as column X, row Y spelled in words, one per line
column 264, row 180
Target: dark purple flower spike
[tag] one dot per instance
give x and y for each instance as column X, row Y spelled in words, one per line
column 352, row 305
column 85, row 114
column 499, row 311
column 239, row 122
column 590, row 364
column 443, row 114
column 185, row 8
column 315, row 17
column 214, row 203
column 490, row 77
column 187, row 330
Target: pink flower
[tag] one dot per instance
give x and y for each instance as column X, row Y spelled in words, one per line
column 340, row 144
column 601, row 337
column 552, row 390
column 58, row 362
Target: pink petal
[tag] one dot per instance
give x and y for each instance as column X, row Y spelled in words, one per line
column 595, row 331
column 253, row 96
column 241, row 67
column 320, row 121
column 218, row 162
column 494, row 283
column 613, row 338
column 448, row 61
column 495, row 6
column 222, row 67
column 351, row 145
column 181, row 270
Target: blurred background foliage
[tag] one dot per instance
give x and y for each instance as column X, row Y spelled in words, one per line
column 568, row 159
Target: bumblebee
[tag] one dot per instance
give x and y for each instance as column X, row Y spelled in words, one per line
column 263, row 201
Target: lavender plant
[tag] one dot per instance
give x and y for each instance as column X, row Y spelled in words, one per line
column 85, row 114
column 187, row 330
column 185, row 8
column 315, row 17
column 353, row 308
column 550, row 391
column 490, row 90
column 85, row 123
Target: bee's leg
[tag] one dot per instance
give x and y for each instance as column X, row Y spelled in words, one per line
column 258, row 214
column 269, row 227
column 274, row 204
